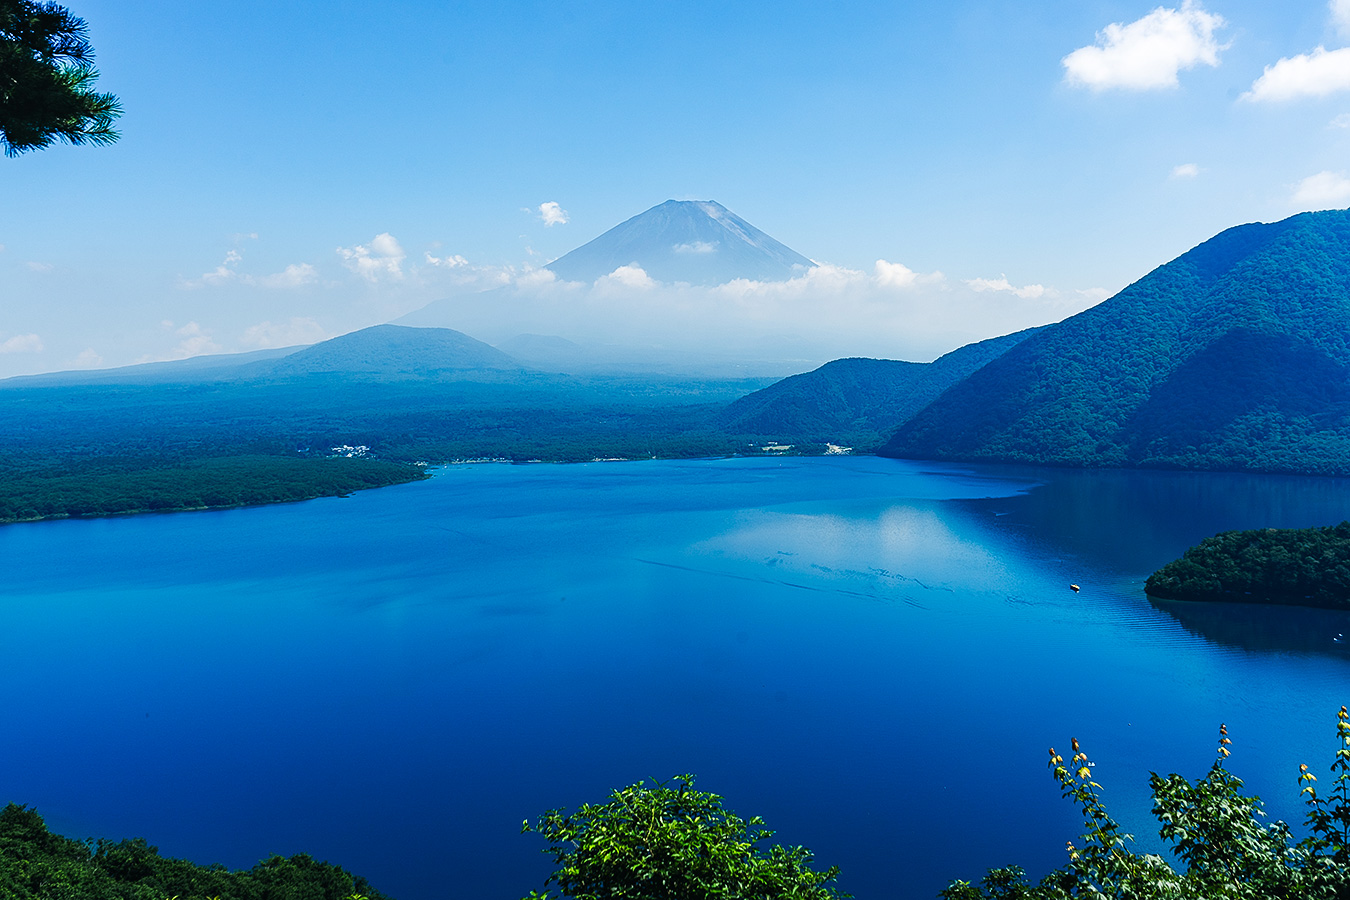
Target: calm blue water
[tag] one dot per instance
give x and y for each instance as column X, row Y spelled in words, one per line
column 871, row 654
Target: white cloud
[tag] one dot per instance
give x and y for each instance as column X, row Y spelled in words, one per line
column 1315, row 74
column 1325, row 190
column 40, row 266
column 823, row 313
column 453, row 261
column 1148, row 53
column 298, row 330
column 1186, row 170
column 552, row 214
column 633, row 277
column 821, row 281
column 537, row 277
column 382, row 257
column 221, row 274
column 22, row 343
column 1340, row 15
column 897, row 275
column 1001, row 283
column 195, row 342
column 88, row 358
column 1341, row 121
column 293, row 276
column 696, row 247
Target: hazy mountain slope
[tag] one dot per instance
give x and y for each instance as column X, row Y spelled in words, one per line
column 393, row 350
column 859, row 402
column 383, row 350
column 695, row 241
column 544, row 351
column 215, row 367
column 1232, row 356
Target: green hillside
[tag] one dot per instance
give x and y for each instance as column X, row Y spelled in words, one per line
column 1235, row 355
column 858, row 402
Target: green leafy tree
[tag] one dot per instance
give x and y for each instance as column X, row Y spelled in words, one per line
column 671, row 842
column 1215, row 829
column 47, row 79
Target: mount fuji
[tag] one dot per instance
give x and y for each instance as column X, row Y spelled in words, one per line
column 684, row 244
column 694, row 241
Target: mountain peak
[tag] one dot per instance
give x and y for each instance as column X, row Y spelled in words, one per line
column 693, row 241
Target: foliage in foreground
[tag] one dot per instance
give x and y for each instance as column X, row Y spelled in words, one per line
column 47, row 76
column 1289, row 566
column 38, row 865
column 670, row 842
column 1214, row 829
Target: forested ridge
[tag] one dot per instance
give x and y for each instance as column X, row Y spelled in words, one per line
column 859, row 402
column 1234, row 356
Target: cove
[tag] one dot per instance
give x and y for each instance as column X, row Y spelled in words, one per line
column 872, row 654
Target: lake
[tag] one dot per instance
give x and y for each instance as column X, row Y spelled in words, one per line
column 871, row 654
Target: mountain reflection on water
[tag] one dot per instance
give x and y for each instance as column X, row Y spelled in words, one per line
column 1131, row 522
column 1257, row 626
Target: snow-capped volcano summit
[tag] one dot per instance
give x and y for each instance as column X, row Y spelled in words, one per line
column 695, row 241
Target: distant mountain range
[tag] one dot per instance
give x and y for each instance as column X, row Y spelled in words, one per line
column 1235, row 355
column 693, row 241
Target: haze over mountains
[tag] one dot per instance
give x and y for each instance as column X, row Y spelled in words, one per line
column 1235, row 355
column 379, row 352
column 689, row 285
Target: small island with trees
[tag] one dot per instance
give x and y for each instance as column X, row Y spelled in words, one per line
column 1284, row 566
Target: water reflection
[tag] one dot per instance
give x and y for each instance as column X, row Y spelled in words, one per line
column 1136, row 521
column 1253, row 626
column 1129, row 523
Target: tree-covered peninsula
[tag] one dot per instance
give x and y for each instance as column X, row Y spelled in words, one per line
column 1287, row 566
column 32, row 491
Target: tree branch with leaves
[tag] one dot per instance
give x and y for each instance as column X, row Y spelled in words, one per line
column 47, row 80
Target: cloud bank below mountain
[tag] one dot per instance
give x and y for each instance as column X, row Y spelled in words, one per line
column 826, row 312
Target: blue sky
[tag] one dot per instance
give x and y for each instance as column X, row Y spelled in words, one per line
column 293, row 171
